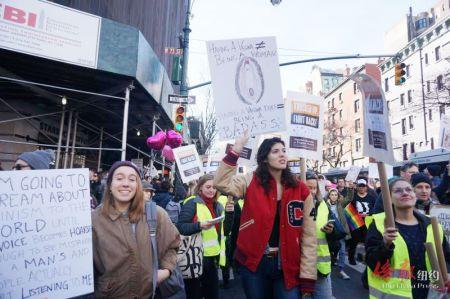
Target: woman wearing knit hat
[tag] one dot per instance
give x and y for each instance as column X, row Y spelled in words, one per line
column 34, row 160
column 121, row 238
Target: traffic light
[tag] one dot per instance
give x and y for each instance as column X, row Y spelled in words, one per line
column 400, row 73
column 176, row 70
column 179, row 119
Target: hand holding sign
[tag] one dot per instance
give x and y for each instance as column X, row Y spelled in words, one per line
column 240, row 142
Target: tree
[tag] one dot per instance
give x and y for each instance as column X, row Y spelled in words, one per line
column 335, row 140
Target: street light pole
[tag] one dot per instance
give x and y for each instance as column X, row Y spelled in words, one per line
column 185, row 46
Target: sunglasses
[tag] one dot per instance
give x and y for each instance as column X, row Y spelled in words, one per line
column 20, row 167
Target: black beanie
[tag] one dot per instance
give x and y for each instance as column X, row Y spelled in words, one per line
column 434, row 170
column 420, row 178
column 119, row 164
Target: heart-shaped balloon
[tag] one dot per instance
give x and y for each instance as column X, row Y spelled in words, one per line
column 167, row 152
column 174, row 139
column 157, row 141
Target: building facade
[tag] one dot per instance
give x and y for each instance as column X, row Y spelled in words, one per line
column 323, row 80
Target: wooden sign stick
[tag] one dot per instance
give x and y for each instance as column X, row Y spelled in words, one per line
column 439, row 250
column 303, row 169
column 387, row 202
column 435, row 265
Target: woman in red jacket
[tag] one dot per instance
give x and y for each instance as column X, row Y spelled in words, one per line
column 277, row 243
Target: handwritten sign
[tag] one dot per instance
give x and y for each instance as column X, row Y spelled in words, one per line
column 304, row 118
column 442, row 213
column 353, row 173
column 45, row 234
column 377, row 130
column 188, row 163
column 246, row 84
column 444, row 134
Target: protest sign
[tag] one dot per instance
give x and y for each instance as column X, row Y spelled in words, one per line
column 444, row 134
column 213, row 162
column 246, row 83
column 442, row 213
column 304, row 122
column 248, row 154
column 377, row 130
column 188, row 162
column 45, row 234
column 353, row 173
column 294, row 166
column 373, row 171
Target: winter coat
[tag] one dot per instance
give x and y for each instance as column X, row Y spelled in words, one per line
column 123, row 259
column 341, row 204
column 162, row 198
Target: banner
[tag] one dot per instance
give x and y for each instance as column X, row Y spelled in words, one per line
column 45, row 234
column 442, row 213
column 50, row 30
column 188, row 163
column 353, row 173
column 304, row 119
column 246, row 83
column 377, row 130
column 444, row 134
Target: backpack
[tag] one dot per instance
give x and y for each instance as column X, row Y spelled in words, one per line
column 173, row 209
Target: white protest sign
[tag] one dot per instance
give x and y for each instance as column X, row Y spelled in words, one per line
column 213, row 163
column 442, row 213
column 444, row 134
column 373, row 171
column 377, row 130
column 294, row 166
column 353, row 173
column 45, row 234
column 304, row 121
column 188, row 162
column 248, row 154
column 246, row 83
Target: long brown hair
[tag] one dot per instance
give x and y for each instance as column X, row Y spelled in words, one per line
column 136, row 209
column 202, row 181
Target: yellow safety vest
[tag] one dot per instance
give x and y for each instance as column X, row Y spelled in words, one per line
column 210, row 237
column 241, row 203
column 398, row 284
column 188, row 199
column 223, row 200
column 323, row 251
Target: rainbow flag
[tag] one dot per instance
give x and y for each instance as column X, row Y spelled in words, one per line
column 354, row 220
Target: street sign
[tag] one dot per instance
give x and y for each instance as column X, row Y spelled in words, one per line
column 173, row 51
column 178, row 99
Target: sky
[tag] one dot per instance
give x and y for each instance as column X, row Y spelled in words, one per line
column 303, row 29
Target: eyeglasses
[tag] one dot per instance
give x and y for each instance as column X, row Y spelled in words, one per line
column 20, row 167
column 399, row 191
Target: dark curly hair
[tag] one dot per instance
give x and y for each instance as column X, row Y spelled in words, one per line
column 262, row 171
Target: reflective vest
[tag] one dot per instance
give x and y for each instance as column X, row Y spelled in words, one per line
column 223, row 200
column 398, row 284
column 210, row 237
column 188, row 199
column 241, row 203
column 323, row 251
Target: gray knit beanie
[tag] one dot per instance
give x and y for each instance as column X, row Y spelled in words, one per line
column 38, row 159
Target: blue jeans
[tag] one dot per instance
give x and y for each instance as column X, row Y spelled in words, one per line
column 267, row 282
column 342, row 257
column 322, row 289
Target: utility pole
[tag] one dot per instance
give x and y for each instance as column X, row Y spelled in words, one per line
column 185, row 47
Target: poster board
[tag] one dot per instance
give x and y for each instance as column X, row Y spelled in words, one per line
column 46, row 235
column 188, row 162
column 304, row 122
column 246, row 82
column 442, row 213
column 353, row 173
column 248, row 154
column 444, row 133
column 373, row 171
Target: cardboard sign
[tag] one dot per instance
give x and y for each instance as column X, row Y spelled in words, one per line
column 353, row 173
column 248, row 154
column 444, row 134
column 442, row 213
column 304, row 119
column 373, row 171
column 246, row 83
column 377, row 130
column 188, row 163
column 45, row 234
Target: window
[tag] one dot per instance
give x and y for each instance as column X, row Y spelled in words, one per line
column 332, row 103
column 358, row 144
column 340, row 97
column 329, row 105
column 403, row 126
column 334, row 151
column 341, row 131
column 430, row 114
column 402, row 99
column 357, row 125
column 407, row 70
column 422, row 23
column 413, row 150
column 340, row 114
column 426, row 58
column 388, row 105
column 341, row 148
column 411, row 122
column 405, row 151
column 354, row 88
column 441, row 111
column 386, row 84
column 440, row 83
column 437, row 53
column 409, row 96
column 428, row 86
column 356, row 106
column 432, row 142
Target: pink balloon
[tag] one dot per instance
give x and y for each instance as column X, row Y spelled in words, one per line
column 174, row 139
column 167, row 152
column 157, row 141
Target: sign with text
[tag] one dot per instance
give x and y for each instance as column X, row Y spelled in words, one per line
column 444, row 134
column 188, row 162
column 442, row 213
column 178, row 99
column 50, row 30
column 246, row 83
column 304, row 118
column 353, row 173
column 248, row 154
column 373, row 171
column 377, row 130
column 45, row 234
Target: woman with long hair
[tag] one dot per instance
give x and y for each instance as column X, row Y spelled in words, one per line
column 121, row 238
column 276, row 246
column 195, row 217
column 396, row 256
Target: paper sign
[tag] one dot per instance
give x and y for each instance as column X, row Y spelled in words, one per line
column 248, row 154
column 373, row 171
column 246, row 83
column 188, row 163
column 294, row 166
column 304, row 121
column 444, row 134
column 353, row 173
column 442, row 213
column 377, row 130
column 45, row 234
